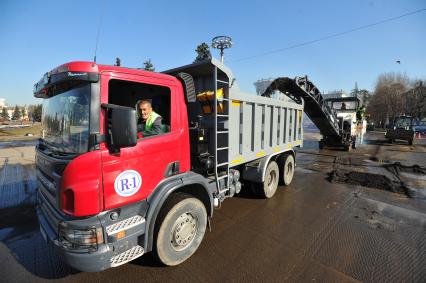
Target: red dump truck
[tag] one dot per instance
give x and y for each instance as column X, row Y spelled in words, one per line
column 106, row 195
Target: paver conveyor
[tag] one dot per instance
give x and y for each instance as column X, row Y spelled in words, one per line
column 321, row 115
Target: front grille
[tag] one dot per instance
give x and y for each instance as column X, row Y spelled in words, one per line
column 49, row 171
column 50, row 214
column 47, row 182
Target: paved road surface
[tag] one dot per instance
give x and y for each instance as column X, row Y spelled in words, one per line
column 317, row 229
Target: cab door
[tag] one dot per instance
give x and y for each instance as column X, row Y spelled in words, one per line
column 133, row 173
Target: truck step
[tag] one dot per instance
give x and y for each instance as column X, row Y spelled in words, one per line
column 222, row 164
column 127, row 256
column 222, row 132
column 222, row 115
column 222, row 148
column 124, row 224
column 219, row 81
column 222, row 177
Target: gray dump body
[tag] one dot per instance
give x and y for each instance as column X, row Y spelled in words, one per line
column 260, row 126
column 251, row 126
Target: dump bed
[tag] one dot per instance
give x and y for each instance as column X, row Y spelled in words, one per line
column 260, row 126
column 242, row 127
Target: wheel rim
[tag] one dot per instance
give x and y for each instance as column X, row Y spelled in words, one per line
column 184, row 231
column 289, row 172
column 271, row 180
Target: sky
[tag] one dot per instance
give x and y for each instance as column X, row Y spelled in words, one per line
column 37, row 36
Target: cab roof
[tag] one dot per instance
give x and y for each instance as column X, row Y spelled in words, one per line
column 85, row 66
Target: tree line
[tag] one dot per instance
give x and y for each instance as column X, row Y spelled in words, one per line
column 34, row 113
column 396, row 94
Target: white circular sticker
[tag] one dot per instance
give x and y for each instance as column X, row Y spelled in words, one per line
column 128, row 183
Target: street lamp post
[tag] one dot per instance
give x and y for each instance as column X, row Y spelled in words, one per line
column 222, row 42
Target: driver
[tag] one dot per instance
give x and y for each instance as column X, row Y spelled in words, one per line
column 149, row 122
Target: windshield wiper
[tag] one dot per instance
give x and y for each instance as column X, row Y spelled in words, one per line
column 53, row 148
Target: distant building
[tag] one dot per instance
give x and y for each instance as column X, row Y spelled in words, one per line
column 335, row 94
column 415, row 101
column 2, row 102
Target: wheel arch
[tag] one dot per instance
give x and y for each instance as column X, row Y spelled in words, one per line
column 255, row 171
column 190, row 183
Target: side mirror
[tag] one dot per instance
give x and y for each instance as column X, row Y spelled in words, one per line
column 123, row 128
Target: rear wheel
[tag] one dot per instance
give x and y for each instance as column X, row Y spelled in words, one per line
column 287, row 172
column 182, row 225
column 269, row 186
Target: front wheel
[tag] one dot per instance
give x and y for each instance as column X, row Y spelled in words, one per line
column 183, row 221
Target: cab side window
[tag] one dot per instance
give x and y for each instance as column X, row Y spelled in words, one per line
column 153, row 116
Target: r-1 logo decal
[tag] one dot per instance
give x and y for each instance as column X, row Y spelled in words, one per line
column 128, row 183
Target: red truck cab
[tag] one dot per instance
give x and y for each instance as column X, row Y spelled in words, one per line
column 101, row 188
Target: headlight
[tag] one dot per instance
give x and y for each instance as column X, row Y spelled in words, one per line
column 80, row 238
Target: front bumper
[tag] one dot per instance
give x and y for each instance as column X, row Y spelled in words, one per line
column 399, row 134
column 113, row 252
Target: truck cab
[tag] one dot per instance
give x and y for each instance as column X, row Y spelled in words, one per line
column 96, row 178
column 346, row 111
column 108, row 193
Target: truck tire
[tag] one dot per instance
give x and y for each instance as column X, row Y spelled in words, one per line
column 288, row 170
column 410, row 142
column 180, row 229
column 269, row 186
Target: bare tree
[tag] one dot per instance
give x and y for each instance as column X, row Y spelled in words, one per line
column 387, row 101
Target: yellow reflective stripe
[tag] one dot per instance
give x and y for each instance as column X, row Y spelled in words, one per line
column 238, row 160
column 261, row 153
column 236, row 103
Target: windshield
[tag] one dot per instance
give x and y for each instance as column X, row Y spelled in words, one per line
column 346, row 105
column 65, row 120
column 403, row 122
